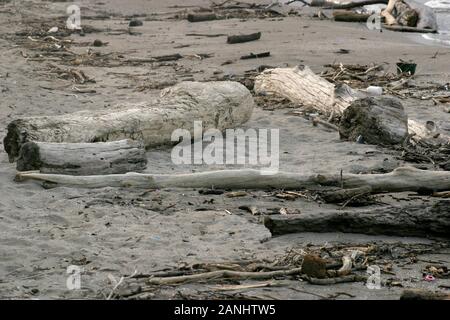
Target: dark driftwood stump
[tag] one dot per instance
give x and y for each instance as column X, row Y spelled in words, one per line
column 349, row 16
column 244, row 38
column 417, row 220
column 199, row 17
column 83, row 158
column 378, row 120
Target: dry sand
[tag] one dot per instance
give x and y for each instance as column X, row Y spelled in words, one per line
column 117, row 231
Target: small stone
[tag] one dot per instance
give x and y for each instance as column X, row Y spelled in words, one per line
column 136, row 23
column 98, row 43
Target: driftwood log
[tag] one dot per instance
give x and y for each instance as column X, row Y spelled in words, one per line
column 83, row 158
column 303, row 87
column 218, row 105
column 420, row 294
column 344, row 4
column 199, row 17
column 350, row 16
column 401, row 179
column 244, row 38
column 415, row 220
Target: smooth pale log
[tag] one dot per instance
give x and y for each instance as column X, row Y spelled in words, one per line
column 415, row 220
column 303, row 87
column 219, row 105
column 387, row 13
column 83, row 158
column 401, row 179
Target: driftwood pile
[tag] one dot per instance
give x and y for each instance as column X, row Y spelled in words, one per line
column 86, row 142
column 315, row 265
column 83, row 149
column 399, row 15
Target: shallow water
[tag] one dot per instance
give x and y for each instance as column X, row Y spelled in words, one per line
column 442, row 9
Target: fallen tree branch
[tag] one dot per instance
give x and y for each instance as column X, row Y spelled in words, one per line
column 399, row 180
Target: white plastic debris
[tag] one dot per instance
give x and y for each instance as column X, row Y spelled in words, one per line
column 374, row 91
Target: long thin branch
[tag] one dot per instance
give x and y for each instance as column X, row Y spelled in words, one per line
column 399, row 180
column 223, row 274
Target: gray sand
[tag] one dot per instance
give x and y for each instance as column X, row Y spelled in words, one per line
column 119, row 231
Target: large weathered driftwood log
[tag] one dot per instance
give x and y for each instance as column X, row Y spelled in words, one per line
column 401, row 179
column 83, row 158
column 416, row 220
column 219, row 105
column 302, row 86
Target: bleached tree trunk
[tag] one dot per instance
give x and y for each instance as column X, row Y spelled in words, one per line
column 83, row 158
column 218, row 105
column 302, row 86
column 401, row 179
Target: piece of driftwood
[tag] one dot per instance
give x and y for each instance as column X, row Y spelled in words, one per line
column 83, row 158
column 168, row 57
column 377, row 120
column 199, row 17
column 399, row 180
column 256, row 55
column 420, row 220
column 302, row 86
column 408, row 29
column 223, row 274
column 218, row 105
column 344, row 4
column 420, row 294
column 350, row 16
column 244, row 38
column 444, row 194
column 336, row 280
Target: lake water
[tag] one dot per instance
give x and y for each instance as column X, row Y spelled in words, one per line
column 442, row 9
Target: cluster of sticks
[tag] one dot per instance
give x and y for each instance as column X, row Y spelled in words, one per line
column 317, row 265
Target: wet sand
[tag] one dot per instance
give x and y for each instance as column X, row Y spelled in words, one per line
column 115, row 231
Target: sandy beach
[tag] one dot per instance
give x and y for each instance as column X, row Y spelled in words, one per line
column 114, row 232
